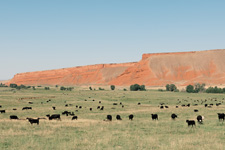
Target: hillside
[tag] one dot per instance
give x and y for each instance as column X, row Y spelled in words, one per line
column 157, row 69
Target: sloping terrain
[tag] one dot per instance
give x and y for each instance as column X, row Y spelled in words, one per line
column 158, row 69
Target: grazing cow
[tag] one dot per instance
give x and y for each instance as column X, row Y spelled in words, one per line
column 188, row 105
column 53, row 108
column 166, row 106
column 76, row 106
column 221, row 116
column 118, row 117
column 183, row 105
column 161, row 107
column 131, row 116
column 154, row 116
column 0, row 106
column 90, row 109
column 200, row 119
column 54, row 116
column 26, row 108
column 176, row 106
column 74, row 118
column 14, row 109
column 122, row 106
column 173, row 116
column 66, row 113
column 114, row 103
column 120, row 103
column 139, row 103
column 30, row 102
column 109, row 117
column 2, row 111
column 66, row 105
column 80, row 107
column 99, row 102
column 206, row 105
column 13, row 117
column 98, row 107
column 32, row 120
column 195, row 110
column 191, row 123
column 102, row 108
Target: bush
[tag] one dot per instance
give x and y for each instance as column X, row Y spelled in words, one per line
column 101, row 88
column 136, row 87
column 12, row 85
column 125, row 89
column 112, row 87
column 215, row 90
column 3, row 85
column 62, row 88
column 47, row 88
column 196, row 88
column 171, row 87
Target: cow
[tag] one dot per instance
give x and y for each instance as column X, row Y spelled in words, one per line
column 80, row 107
column 173, row 116
column 139, row 103
column 0, row 106
column 2, row 111
column 114, row 103
column 161, row 107
column 32, row 120
column 90, row 109
column 26, row 108
column 200, row 119
column 30, row 102
column 195, row 110
column 74, row 118
column 99, row 102
column 98, row 107
column 14, row 109
column 154, row 116
column 13, row 117
column 102, row 108
column 53, row 108
column 131, row 116
column 66, row 113
column 109, row 117
column 221, row 116
column 118, row 117
column 54, row 116
column 190, row 123
column 166, row 106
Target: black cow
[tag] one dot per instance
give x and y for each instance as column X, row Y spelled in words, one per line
column 109, row 117
column 118, row 117
column 54, row 116
column 0, row 106
column 154, row 116
column 13, row 117
column 191, row 123
column 221, row 116
column 80, row 107
column 53, row 108
column 66, row 113
column 30, row 102
column 114, row 103
column 200, row 119
column 102, row 108
column 99, row 102
column 32, row 120
column 2, row 111
column 26, row 108
column 90, row 109
column 98, row 107
column 161, row 107
column 14, row 109
column 166, row 106
column 173, row 116
column 139, row 103
column 196, row 110
column 74, row 118
column 131, row 116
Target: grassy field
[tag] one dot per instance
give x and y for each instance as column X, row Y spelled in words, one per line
column 91, row 132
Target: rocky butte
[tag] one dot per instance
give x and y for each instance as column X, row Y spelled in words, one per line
column 157, row 69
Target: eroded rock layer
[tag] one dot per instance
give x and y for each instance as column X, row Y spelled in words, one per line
column 158, row 69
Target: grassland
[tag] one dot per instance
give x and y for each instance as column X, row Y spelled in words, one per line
column 91, row 132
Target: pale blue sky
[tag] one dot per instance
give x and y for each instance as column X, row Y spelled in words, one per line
column 52, row 34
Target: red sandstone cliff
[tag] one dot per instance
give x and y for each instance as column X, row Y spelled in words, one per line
column 154, row 70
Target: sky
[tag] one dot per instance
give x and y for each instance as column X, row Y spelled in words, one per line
column 52, row 34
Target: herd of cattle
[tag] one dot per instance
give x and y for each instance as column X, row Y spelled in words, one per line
column 199, row 118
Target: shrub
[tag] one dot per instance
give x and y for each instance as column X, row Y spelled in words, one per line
column 112, row 87
column 136, row 87
column 125, row 89
column 47, row 88
column 62, row 88
column 101, row 88
column 190, row 89
column 12, row 85
column 171, row 87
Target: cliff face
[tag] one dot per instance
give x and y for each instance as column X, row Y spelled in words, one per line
column 154, row 70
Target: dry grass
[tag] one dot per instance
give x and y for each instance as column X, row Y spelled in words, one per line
column 91, row 132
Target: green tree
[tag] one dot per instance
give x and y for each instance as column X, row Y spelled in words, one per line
column 168, row 87
column 190, row 89
column 142, row 88
column 173, row 87
column 90, row 88
column 112, row 87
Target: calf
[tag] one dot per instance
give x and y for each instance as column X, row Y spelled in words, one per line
column 154, row 116
column 173, row 116
column 13, row 117
column 190, row 122
column 74, row 118
column 2, row 111
column 200, row 119
column 118, row 117
column 32, row 120
column 221, row 116
column 131, row 116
